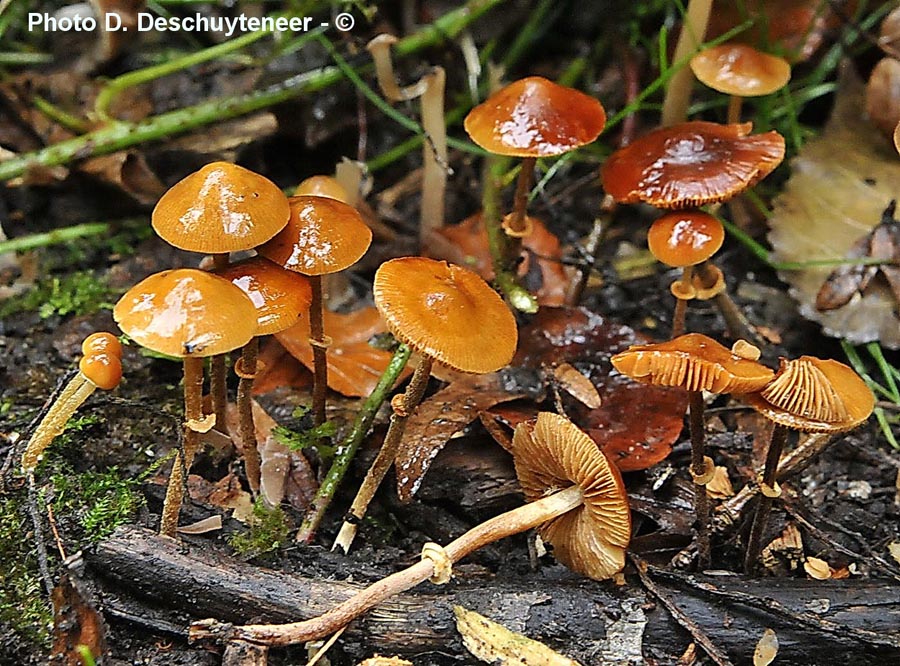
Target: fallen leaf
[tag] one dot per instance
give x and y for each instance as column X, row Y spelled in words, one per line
column 226, row 493
column 766, row 648
column 354, row 366
column 720, row 486
column 127, row 171
column 495, row 644
column 816, row 568
column 894, row 550
column 577, row 385
column 279, row 369
column 840, row 184
column 211, row 524
column 76, row 622
column 784, row 553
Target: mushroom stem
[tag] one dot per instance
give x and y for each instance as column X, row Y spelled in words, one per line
column 434, row 154
column 247, row 372
column 512, row 522
column 698, row 471
column 218, row 388
column 193, row 414
column 764, row 503
column 735, row 322
column 734, row 109
column 680, row 314
column 678, row 90
column 403, row 406
column 516, row 222
column 319, row 347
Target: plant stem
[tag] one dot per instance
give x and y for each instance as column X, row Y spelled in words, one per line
column 386, row 455
column 512, row 522
column 698, row 468
column 248, row 368
column 764, row 502
column 55, row 237
column 350, row 445
column 678, row 90
column 319, row 344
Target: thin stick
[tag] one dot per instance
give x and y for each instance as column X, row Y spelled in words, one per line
column 764, row 503
column 351, row 443
column 40, row 546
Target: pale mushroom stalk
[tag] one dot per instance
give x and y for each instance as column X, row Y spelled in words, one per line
column 698, row 471
column 403, row 407
column 512, row 522
column 679, row 88
column 765, row 500
column 679, row 316
column 735, row 322
column 434, row 154
column 319, row 343
column 516, row 222
column 247, row 369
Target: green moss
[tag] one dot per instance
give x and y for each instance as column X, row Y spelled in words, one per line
column 78, row 293
column 267, row 532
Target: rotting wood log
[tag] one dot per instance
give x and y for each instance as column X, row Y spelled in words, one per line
column 566, row 612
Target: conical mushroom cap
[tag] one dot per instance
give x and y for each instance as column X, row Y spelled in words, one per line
column 691, row 164
column 446, row 312
column 280, row 296
column 693, row 362
column 552, row 454
column 815, row 395
column 323, row 235
column 186, row 312
column 740, row 70
column 220, row 208
column 534, row 117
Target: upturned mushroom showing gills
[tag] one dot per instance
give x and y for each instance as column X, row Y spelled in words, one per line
column 576, row 500
column 280, row 298
column 807, row 394
column 696, row 363
column 189, row 314
column 532, row 118
column 100, row 367
column 323, row 236
column 450, row 316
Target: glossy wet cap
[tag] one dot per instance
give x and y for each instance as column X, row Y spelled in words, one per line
column 740, row 70
column 220, row 208
column 815, row 395
column 552, row 454
column 691, row 164
column 323, row 235
column 102, row 360
column 534, row 117
column 446, row 312
column 693, row 362
column 322, row 186
column 685, row 238
column 280, row 296
column 186, row 312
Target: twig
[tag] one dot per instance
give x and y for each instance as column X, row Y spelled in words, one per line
column 700, row 638
column 40, row 546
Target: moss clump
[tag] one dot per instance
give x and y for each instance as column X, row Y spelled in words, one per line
column 268, row 531
column 78, row 293
column 99, row 501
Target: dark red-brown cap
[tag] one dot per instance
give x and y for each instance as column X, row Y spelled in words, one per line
column 691, row 164
column 740, row 70
column 534, row 117
column 220, row 208
column 685, row 238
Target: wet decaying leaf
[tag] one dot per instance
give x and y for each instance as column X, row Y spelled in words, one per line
column 354, row 365
column 495, row 644
column 766, row 649
column 436, row 420
column 636, row 424
column 840, row 185
column 277, row 368
column 226, row 493
column 76, row 622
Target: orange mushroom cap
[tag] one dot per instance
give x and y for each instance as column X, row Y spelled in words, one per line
column 685, row 238
column 691, row 164
column 552, row 454
column 322, row 236
column 534, row 117
column 103, row 369
column 323, row 186
column 446, row 312
column 693, row 362
column 102, row 342
column 814, row 395
column 280, row 296
column 186, row 312
column 220, row 208
column 740, row 70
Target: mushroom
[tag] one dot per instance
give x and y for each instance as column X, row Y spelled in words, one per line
column 450, row 316
column 532, row 118
column 740, row 71
column 280, row 297
column 100, row 367
column 576, row 500
column 807, row 394
column 220, row 208
column 696, row 363
column 189, row 314
column 323, row 186
column 683, row 239
column 322, row 236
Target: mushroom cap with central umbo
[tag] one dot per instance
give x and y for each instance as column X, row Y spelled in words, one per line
column 220, row 208
column 814, row 395
column 186, row 312
column 323, row 235
column 534, row 117
column 691, row 164
column 446, row 312
column 693, row 362
column 740, row 70
column 552, row 454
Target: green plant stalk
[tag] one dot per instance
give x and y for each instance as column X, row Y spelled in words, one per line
column 57, row 115
column 55, row 237
column 120, row 135
column 350, row 445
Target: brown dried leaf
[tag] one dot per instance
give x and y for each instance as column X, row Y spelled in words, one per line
column 225, row 493
column 76, row 622
column 278, row 368
column 129, row 172
column 577, row 385
column 840, row 184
